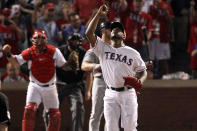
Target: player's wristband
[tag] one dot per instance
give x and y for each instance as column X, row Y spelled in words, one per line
column 8, row 54
column 96, row 66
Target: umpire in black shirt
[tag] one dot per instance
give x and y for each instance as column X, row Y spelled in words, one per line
column 70, row 82
column 4, row 112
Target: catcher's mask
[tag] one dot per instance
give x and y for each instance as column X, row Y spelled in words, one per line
column 39, row 39
column 74, row 41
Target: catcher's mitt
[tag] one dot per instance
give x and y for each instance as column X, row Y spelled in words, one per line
column 73, row 60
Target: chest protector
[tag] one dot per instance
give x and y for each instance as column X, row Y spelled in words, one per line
column 43, row 65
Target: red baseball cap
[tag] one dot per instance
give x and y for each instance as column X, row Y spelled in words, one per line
column 50, row 5
column 5, row 11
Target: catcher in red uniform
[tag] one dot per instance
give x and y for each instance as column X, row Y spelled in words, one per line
column 42, row 59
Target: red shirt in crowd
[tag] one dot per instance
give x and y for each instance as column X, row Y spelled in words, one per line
column 134, row 23
column 193, row 36
column 62, row 24
column 193, row 43
column 8, row 36
column 114, row 10
column 160, row 20
column 86, row 7
column 116, row 13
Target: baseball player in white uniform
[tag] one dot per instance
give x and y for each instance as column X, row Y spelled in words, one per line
column 124, row 71
column 42, row 59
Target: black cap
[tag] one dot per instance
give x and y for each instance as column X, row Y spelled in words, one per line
column 117, row 25
column 105, row 25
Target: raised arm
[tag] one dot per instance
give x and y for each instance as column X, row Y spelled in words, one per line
column 93, row 24
column 19, row 31
column 11, row 58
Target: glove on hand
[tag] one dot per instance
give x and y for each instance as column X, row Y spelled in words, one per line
column 132, row 81
column 73, row 60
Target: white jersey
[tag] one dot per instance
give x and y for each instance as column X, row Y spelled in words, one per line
column 117, row 63
column 59, row 61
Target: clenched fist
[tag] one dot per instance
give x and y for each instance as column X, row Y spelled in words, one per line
column 6, row 48
column 103, row 10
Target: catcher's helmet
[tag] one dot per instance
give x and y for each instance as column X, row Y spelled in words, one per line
column 117, row 25
column 39, row 33
column 75, row 40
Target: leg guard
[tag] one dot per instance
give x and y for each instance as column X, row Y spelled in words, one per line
column 29, row 117
column 54, row 120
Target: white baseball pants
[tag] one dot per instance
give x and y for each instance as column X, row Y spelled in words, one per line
column 122, row 104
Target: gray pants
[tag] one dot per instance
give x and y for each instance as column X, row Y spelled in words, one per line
column 98, row 92
column 75, row 97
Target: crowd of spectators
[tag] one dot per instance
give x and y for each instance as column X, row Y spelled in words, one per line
column 169, row 22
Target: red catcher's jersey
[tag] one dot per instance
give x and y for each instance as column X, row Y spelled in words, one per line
column 43, row 65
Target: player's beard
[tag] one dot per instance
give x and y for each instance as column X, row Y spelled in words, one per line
column 116, row 37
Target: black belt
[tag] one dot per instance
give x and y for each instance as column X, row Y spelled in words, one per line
column 98, row 76
column 46, row 85
column 119, row 89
